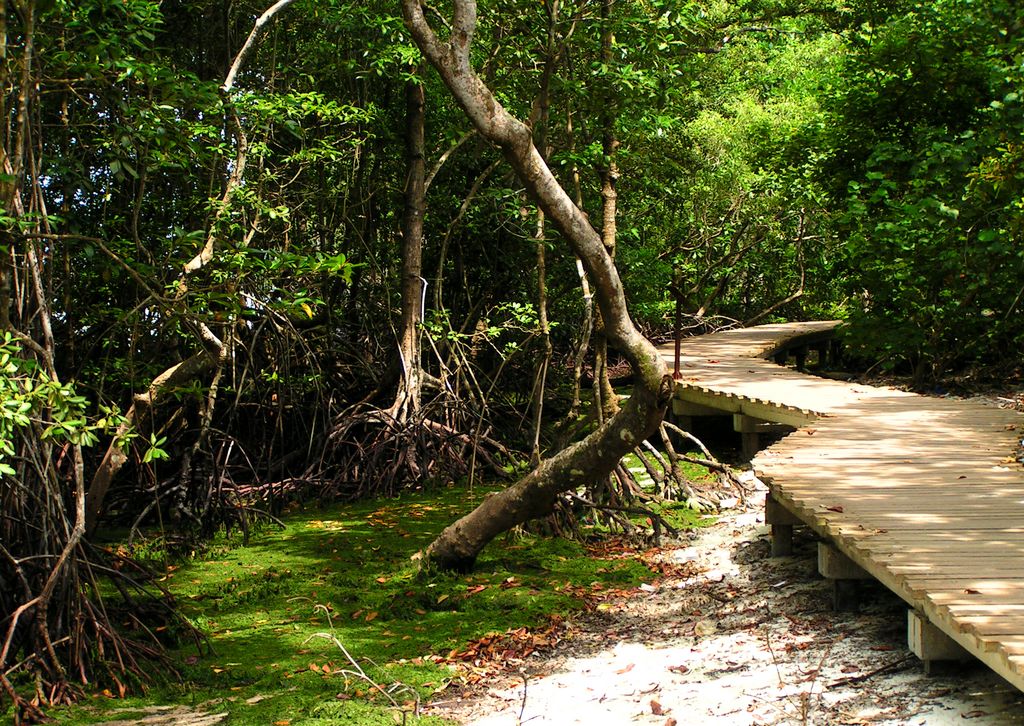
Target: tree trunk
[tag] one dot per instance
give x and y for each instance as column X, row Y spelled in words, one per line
column 407, row 400
column 583, row 344
column 142, row 406
column 540, row 382
column 539, row 123
column 606, row 399
column 596, row 455
column 587, row 328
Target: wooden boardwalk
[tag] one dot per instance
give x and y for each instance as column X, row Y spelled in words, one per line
column 922, row 493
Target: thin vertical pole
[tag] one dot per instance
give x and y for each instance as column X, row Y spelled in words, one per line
column 677, row 373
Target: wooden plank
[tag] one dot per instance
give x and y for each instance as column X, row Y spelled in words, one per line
column 946, row 569
column 1008, row 643
column 981, row 457
column 983, row 626
column 934, row 557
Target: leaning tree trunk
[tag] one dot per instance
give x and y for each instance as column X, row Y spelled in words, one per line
column 141, row 409
column 595, row 456
column 144, row 404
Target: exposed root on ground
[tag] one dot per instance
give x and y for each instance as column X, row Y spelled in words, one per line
column 372, row 453
column 629, row 493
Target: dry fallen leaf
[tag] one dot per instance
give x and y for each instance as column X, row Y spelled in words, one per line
column 705, row 628
column 627, row 669
column 679, row 669
column 656, row 707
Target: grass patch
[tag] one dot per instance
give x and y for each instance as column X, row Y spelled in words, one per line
column 272, row 610
column 681, row 516
column 678, row 514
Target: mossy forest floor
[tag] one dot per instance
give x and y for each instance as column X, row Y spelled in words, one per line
column 328, row 621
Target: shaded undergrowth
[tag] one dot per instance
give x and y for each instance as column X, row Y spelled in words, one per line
column 285, row 613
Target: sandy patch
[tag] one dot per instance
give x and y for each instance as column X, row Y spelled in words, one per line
column 741, row 639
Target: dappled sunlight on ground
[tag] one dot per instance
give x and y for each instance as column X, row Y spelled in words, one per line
column 742, row 639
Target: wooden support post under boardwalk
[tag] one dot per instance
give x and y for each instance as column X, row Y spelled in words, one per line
column 844, row 574
column 801, row 357
column 835, row 352
column 684, row 413
column 748, row 428
column 822, row 350
column 752, row 431
column 930, row 644
column 781, row 521
column 751, row 443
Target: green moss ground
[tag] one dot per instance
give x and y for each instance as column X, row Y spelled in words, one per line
column 276, row 611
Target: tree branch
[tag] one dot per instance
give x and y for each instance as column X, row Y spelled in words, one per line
column 515, row 139
column 254, row 34
column 444, row 157
column 463, row 28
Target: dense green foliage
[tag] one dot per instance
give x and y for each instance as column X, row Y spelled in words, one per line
column 197, row 284
column 926, row 136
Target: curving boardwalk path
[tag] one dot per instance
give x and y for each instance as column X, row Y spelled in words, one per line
column 923, row 494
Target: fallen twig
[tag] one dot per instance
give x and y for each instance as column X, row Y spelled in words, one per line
column 522, row 705
column 361, row 674
column 888, row 667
